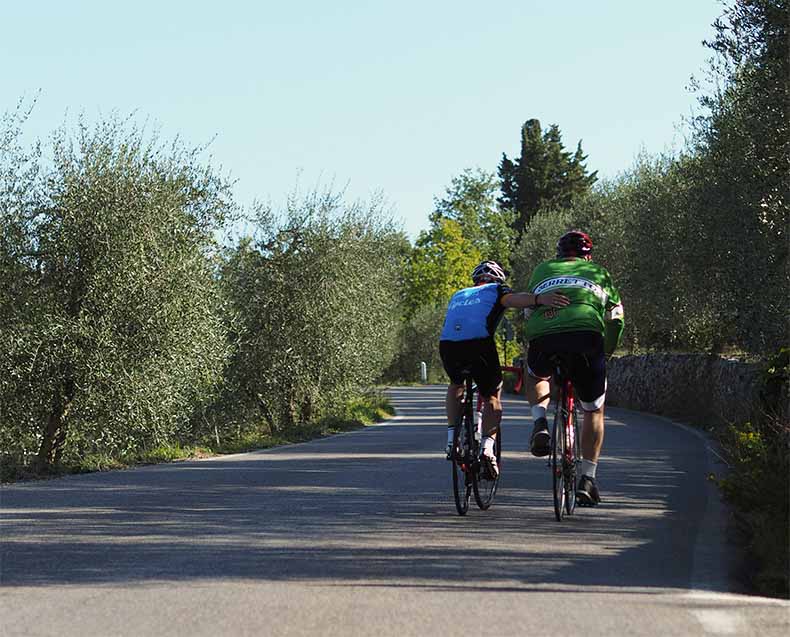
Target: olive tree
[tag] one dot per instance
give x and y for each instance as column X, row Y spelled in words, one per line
column 113, row 332
column 315, row 293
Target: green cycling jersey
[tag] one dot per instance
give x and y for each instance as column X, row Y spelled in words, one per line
column 595, row 302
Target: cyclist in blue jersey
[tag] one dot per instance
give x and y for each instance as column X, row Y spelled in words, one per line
column 467, row 342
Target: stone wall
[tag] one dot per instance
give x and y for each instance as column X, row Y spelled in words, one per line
column 695, row 388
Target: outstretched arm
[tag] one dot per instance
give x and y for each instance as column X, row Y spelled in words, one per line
column 528, row 299
column 614, row 324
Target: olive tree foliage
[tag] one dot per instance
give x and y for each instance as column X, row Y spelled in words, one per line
column 112, row 326
column 20, row 191
column 315, row 296
column 741, row 147
column 418, row 342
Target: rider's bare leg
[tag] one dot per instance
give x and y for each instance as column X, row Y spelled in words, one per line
column 592, row 434
column 538, row 391
column 452, row 403
column 492, row 414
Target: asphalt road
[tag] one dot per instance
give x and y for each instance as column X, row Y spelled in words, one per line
column 357, row 535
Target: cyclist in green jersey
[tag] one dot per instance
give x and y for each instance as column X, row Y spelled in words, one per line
column 588, row 329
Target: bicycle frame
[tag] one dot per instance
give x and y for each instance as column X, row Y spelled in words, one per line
column 567, row 419
column 470, row 421
column 473, row 415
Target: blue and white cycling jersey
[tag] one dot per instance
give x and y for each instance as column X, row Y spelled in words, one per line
column 474, row 312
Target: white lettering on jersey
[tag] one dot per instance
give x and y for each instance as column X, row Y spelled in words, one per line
column 571, row 282
column 473, row 301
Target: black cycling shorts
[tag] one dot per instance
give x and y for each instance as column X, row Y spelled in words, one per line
column 587, row 363
column 479, row 356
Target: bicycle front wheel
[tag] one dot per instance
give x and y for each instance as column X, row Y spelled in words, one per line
column 557, row 462
column 485, row 486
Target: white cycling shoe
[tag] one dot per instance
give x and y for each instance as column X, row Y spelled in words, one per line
column 490, row 464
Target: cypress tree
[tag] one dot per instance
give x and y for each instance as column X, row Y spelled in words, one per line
column 544, row 175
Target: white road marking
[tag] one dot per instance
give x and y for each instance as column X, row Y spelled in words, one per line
column 720, row 622
column 711, row 596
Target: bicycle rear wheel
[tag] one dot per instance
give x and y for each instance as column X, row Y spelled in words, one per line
column 484, row 486
column 461, row 468
column 558, row 459
column 572, row 458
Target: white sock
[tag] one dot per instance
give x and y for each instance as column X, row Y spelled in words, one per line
column 588, row 468
column 450, row 434
column 538, row 412
column 488, row 445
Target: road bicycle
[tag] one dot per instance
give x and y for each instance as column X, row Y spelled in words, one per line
column 565, row 456
column 469, row 473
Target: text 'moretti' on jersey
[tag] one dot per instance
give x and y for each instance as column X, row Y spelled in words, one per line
column 594, row 299
column 474, row 312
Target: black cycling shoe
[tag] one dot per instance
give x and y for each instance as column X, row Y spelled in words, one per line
column 587, row 492
column 541, row 439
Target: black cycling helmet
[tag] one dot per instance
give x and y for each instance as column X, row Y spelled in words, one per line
column 574, row 243
column 489, row 270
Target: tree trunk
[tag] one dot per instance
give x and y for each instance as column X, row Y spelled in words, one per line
column 55, row 430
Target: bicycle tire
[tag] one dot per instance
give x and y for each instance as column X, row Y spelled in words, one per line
column 558, row 458
column 464, row 452
column 483, row 487
column 571, row 460
column 460, row 468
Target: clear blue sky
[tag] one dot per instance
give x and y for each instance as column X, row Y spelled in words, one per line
column 396, row 97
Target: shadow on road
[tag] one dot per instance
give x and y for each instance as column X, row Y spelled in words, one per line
column 358, row 509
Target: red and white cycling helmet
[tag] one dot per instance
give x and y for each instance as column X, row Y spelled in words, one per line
column 574, row 243
column 490, row 270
